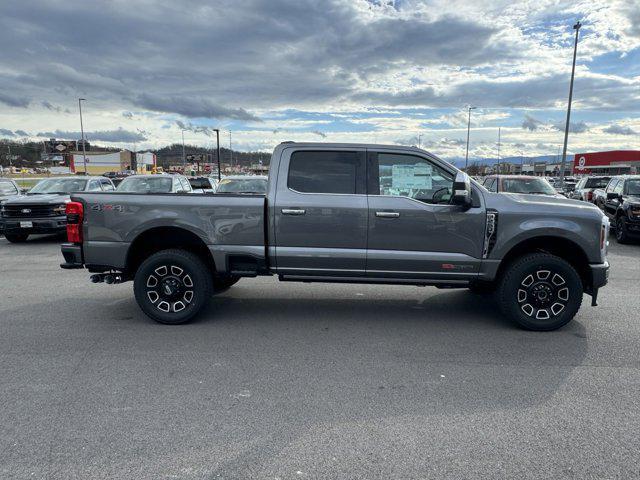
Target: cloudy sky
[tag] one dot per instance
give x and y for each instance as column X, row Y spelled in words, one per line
column 330, row 70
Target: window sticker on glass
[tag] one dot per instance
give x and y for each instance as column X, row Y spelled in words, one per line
column 408, row 177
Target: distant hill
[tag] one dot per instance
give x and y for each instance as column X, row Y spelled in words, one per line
column 459, row 162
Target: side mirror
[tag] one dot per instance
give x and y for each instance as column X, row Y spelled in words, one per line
column 612, row 196
column 461, row 190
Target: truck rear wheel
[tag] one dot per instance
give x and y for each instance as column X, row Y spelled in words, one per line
column 172, row 286
column 540, row 292
column 17, row 237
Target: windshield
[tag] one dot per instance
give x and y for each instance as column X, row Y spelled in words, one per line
column 7, row 188
column 160, row 184
column 60, row 185
column 242, row 185
column 600, row 182
column 527, row 185
column 633, row 187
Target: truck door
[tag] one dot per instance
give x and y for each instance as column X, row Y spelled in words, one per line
column 413, row 231
column 320, row 214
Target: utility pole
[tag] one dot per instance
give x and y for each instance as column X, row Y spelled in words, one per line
column 217, row 130
column 466, row 157
column 230, row 150
column 419, row 140
column 576, row 27
column 184, row 157
column 84, row 151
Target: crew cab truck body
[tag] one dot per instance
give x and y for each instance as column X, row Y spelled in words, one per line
column 347, row 213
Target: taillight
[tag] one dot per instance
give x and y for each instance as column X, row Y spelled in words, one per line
column 589, row 195
column 75, row 214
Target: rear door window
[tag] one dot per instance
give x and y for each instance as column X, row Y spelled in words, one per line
column 338, row 172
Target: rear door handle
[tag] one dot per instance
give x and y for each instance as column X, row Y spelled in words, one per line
column 387, row 214
column 293, row 211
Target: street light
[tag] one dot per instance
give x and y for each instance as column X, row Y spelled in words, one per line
column 466, row 157
column 84, row 152
column 576, row 27
column 184, row 158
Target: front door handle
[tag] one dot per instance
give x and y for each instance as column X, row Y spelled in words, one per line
column 293, row 211
column 387, row 214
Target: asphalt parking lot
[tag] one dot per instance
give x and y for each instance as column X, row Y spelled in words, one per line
column 310, row 381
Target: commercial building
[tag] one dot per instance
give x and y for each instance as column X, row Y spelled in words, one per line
column 98, row 163
column 615, row 162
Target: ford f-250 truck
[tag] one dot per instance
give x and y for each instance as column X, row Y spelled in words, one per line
column 347, row 213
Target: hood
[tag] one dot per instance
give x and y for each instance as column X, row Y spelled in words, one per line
column 46, row 198
column 532, row 203
column 7, row 197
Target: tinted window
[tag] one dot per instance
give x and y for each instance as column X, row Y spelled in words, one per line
column 414, row 177
column 325, row 172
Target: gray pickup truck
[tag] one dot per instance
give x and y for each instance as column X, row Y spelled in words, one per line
column 347, row 213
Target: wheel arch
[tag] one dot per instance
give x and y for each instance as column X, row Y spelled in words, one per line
column 160, row 238
column 562, row 247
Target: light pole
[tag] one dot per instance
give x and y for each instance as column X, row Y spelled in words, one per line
column 466, row 157
column 217, row 130
column 576, row 27
column 499, row 128
column 184, row 157
column 230, row 150
column 419, row 140
column 84, row 151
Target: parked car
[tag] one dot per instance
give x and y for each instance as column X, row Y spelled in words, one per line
column 324, row 219
column 622, row 206
column 203, row 184
column 585, row 187
column 155, row 184
column 42, row 209
column 243, row 184
column 519, row 184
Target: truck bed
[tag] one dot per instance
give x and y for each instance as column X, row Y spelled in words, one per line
column 113, row 221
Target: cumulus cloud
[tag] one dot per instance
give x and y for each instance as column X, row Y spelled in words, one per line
column 117, row 136
column 615, row 129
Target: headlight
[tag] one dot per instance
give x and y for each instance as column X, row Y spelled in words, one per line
column 60, row 209
column 634, row 210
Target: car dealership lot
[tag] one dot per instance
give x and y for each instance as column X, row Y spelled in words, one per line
column 329, row 381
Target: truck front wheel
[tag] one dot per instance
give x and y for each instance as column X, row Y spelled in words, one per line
column 172, row 286
column 540, row 291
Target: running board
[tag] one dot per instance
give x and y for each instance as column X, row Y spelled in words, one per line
column 375, row 280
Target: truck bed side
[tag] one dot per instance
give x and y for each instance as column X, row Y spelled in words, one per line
column 227, row 224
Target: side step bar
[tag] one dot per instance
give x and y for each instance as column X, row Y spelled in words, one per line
column 375, row 280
